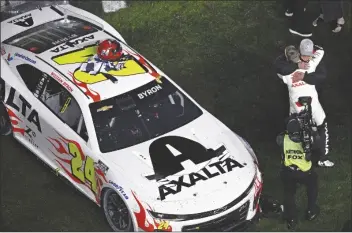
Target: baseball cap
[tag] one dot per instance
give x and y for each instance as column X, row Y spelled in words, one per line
column 306, row 47
column 292, row 54
column 293, row 129
column 293, row 126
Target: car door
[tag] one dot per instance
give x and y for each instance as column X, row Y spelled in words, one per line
column 23, row 110
column 65, row 136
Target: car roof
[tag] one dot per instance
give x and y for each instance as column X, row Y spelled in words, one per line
column 23, row 20
column 67, row 53
column 67, row 62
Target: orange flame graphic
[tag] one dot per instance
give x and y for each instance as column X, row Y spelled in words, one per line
column 84, row 87
column 258, row 185
column 141, row 217
column 143, row 61
column 15, row 120
column 60, row 148
column 64, row 157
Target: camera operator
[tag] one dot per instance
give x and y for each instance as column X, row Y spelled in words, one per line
column 296, row 168
column 303, row 72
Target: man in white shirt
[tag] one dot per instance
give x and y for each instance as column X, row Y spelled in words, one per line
column 302, row 71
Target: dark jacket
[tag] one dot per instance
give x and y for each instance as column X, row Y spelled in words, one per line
column 285, row 67
column 317, row 77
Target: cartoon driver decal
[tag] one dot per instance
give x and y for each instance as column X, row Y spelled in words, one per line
column 101, row 62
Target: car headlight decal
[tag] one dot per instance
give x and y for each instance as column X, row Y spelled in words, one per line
column 174, row 217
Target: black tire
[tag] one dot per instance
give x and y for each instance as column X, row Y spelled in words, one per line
column 2, row 89
column 116, row 212
column 5, row 123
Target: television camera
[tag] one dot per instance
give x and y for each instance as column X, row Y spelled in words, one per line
column 308, row 127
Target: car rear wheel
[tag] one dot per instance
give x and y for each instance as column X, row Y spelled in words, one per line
column 5, row 124
column 116, row 211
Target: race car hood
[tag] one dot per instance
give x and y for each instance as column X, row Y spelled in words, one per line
column 226, row 175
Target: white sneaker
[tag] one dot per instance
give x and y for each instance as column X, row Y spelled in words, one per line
column 300, row 34
column 337, row 29
column 341, row 21
column 326, row 163
column 288, row 13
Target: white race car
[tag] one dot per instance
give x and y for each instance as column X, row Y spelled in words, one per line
column 130, row 139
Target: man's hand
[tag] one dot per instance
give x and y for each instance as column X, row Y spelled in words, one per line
column 303, row 65
column 297, row 76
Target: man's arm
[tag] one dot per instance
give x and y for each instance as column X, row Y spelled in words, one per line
column 284, row 67
column 316, row 77
column 280, row 139
column 280, row 143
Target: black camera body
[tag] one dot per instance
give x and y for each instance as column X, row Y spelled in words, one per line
column 307, row 125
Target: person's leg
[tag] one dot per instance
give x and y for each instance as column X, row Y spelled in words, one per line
column 289, row 185
column 288, row 6
column 311, row 183
column 299, row 24
column 324, row 146
column 319, row 19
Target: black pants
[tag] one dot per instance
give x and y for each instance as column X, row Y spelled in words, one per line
column 288, row 5
column 290, row 181
column 300, row 21
column 321, row 150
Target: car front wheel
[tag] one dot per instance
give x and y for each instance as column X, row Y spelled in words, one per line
column 116, row 211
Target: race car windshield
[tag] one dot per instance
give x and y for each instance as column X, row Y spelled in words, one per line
column 141, row 114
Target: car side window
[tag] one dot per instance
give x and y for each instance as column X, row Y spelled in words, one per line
column 30, row 75
column 57, row 98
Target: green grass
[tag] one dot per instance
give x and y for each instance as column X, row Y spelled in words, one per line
column 222, row 52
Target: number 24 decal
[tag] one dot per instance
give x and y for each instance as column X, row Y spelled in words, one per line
column 88, row 171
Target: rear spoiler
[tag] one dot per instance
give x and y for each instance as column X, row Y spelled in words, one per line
column 11, row 9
